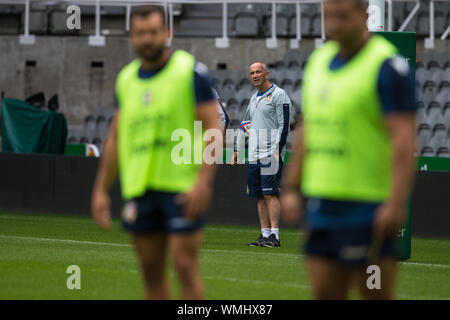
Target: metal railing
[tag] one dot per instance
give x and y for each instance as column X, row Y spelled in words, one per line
column 429, row 42
column 223, row 41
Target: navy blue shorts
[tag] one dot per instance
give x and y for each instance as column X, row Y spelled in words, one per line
column 349, row 247
column 157, row 211
column 263, row 177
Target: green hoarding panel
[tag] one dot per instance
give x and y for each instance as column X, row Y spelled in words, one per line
column 75, row 150
column 433, row 164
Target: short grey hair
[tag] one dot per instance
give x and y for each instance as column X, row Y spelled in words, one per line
column 263, row 65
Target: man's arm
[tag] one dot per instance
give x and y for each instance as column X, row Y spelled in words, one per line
column 106, row 175
column 240, row 139
column 397, row 96
column 391, row 216
column 283, row 109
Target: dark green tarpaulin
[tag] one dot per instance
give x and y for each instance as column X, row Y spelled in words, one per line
column 26, row 129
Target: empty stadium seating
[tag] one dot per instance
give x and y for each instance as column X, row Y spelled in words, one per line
column 255, row 20
column 432, row 94
column 205, row 20
column 94, row 130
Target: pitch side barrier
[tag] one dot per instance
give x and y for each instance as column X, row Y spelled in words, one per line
column 57, row 184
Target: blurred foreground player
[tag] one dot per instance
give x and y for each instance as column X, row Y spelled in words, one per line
column 354, row 157
column 158, row 93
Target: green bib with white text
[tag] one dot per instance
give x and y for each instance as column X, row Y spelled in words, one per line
column 347, row 146
column 156, row 118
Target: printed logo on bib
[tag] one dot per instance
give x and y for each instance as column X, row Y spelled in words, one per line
column 146, row 98
column 129, row 212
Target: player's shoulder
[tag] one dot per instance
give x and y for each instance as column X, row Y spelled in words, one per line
column 279, row 93
column 200, row 68
column 396, row 64
column 128, row 71
column 383, row 45
column 329, row 47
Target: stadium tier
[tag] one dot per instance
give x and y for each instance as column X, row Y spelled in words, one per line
column 200, row 20
column 254, row 21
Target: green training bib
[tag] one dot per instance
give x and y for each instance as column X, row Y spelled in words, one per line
column 150, row 112
column 347, row 146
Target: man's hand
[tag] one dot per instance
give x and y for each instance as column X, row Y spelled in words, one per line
column 235, row 158
column 196, row 201
column 389, row 218
column 100, row 208
column 291, row 207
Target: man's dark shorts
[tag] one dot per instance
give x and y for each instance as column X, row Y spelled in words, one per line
column 349, row 247
column 263, row 177
column 157, row 211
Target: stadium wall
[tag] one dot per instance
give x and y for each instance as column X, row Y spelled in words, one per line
column 62, row 185
column 84, row 76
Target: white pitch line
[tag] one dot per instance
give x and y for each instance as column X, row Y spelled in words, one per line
column 279, row 284
column 130, row 245
column 74, row 220
column 266, row 252
column 66, row 241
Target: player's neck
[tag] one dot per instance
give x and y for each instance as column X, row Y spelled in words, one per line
column 264, row 87
column 349, row 50
column 157, row 63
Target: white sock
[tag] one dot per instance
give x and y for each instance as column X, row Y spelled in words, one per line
column 265, row 232
column 275, row 231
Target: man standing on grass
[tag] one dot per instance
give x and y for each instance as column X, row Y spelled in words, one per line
column 354, row 157
column 267, row 123
column 159, row 93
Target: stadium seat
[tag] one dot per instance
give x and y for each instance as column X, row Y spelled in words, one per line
column 430, row 91
column 198, row 27
column 316, row 25
column 423, row 26
column 296, row 95
column 443, row 97
column 98, row 142
column 232, row 108
column 305, row 21
column 279, row 65
column 102, row 126
column 242, row 94
column 423, row 135
column 437, row 75
column 53, row 103
column 412, row 25
column 399, row 14
column 446, row 115
column 434, row 114
column 242, row 107
column 221, row 76
column 421, row 110
column 282, row 26
column 440, row 22
column 294, row 56
column 57, row 23
column 246, row 22
column 37, row 100
column 74, row 135
column 84, row 140
column 90, row 127
column 228, row 90
column 436, row 143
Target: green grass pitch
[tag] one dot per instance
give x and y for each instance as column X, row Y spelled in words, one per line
column 35, row 251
